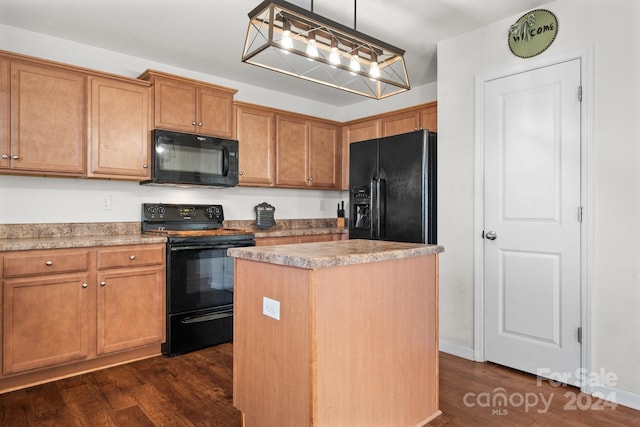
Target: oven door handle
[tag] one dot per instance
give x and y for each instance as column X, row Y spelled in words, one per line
column 206, row 246
column 207, row 317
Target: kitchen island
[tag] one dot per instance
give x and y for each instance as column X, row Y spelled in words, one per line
column 336, row 333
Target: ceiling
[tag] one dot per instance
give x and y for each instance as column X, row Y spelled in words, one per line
column 207, row 36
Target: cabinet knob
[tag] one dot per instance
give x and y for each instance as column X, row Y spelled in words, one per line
column 310, row 178
column 193, row 123
column 5, row 156
column 240, row 173
column 132, row 257
column 145, row 166
column 84, row 285
column 103, row 283
column 200, row 124
column 49, row 263
column 14, row 157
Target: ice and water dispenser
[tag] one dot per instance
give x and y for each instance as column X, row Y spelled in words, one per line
column 360, row 218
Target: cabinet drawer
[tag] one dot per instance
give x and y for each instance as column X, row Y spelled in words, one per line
column 130, row 256
column 33, row 263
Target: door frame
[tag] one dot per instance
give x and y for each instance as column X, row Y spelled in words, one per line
column 585, row 54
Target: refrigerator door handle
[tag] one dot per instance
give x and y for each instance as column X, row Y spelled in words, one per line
column 381, row 207
column 374, row 212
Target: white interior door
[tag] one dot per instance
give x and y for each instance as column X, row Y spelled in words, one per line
column 532, row 214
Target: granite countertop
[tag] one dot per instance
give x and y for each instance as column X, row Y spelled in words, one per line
column 331, row 254
column 20, row 237
column 77, row 242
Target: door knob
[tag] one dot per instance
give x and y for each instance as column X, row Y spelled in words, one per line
column 491, row 235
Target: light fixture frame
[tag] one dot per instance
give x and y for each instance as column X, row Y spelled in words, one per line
column 266, row 22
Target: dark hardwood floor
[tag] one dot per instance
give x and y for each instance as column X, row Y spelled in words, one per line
column 195, row 390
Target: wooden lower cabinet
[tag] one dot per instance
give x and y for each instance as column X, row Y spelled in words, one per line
column 286, row 240
column 47, row 321
column 131, row 309
column 65, row 312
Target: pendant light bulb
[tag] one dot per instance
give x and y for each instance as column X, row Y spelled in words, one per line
column 312, row 47
column 334, row 55
column 354, row 65
column 286, row 41
column 374, row 70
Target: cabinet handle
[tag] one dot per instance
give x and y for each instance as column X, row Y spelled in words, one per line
column 132, row 257
column 145, row 166
column 103, row 283
column 240, row 173
column 5, row 156
column 14, row 157
column 310, row 178
column 49, row 263
column 193, row 123
column 84, row 285
column 200, row 124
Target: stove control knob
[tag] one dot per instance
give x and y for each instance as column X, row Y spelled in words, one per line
column 152, row 210
column 160, row 210
column 213, row 211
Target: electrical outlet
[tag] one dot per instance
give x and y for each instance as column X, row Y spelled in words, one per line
column 105, row 203
column 271, row 308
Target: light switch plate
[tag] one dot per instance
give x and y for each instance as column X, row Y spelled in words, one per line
column 271, row 308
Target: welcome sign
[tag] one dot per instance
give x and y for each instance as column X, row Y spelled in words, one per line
column 533, row 33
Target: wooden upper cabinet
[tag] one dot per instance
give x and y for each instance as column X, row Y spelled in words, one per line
column 255, row 129
column 120, row 137
column 429, row 117
column 4, row 114
column 324, row 154
column 186, row 105
column 291, row 151
column 396, row 124
column 307, row 152
column 361, row 131
column 48, row 122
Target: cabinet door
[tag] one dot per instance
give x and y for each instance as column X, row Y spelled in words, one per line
column 291, row 151
column 46, row 321
column 324, row 154
column 4, row 114
column 215, row 112
column 119, row 114
column 396, row 124
column 48, row 130
column 363, row 131
column 256, row 136
column 175, row 105
column 356, row 132
column 429, row 118
column 131, row 308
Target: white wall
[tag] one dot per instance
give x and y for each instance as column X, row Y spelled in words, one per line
column 32, row 199
column 603, row 24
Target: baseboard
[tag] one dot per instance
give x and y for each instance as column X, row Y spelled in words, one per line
column 456, row 350
column 621, row 397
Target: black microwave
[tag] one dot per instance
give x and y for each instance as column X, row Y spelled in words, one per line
column 185, row 159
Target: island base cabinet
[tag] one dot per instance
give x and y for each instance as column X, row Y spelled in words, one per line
column 354, row 345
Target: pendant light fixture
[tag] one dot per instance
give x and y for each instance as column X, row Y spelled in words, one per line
column 286, row 38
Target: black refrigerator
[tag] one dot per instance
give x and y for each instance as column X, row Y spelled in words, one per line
column 392, row 188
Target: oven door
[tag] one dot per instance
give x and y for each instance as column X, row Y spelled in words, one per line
column 200, row 277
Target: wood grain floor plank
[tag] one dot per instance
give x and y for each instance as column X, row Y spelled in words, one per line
column 195, row 390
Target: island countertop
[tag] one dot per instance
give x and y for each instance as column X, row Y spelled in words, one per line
column 331, row 254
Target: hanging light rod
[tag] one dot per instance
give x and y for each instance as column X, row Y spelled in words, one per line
column 286, row 38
